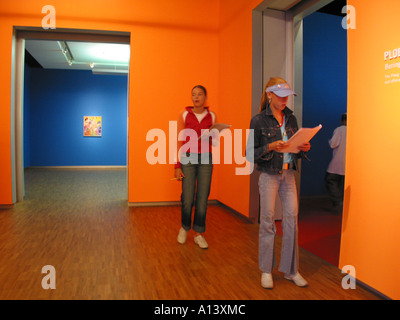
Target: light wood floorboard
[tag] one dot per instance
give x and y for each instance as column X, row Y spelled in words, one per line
column 79, row 222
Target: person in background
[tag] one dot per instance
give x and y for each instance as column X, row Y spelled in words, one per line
column 273, row 126
column 334, row 177
column 195, row 166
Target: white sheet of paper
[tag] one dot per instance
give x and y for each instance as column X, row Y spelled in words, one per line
column 220, row 126
column 303, row 135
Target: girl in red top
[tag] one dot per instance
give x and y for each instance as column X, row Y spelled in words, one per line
column 195, row 166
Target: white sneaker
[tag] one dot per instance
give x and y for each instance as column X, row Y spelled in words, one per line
column 200, row 241
column 267, row 281
column 297, row 279
column 182, row 235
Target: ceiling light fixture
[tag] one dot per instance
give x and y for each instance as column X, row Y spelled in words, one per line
column 117, row 70
column 66, row 52
column 110, row 72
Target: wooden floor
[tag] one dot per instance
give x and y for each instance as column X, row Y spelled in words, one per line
column 79, row 222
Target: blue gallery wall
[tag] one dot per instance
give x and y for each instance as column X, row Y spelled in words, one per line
column 324, row 92
column 56, row 102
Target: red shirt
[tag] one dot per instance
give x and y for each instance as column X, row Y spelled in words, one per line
column 191, row 122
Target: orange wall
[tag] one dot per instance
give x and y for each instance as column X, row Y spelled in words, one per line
column 174, row 46
column 164, row 68
column 371, row 221
column 5, row 116
column 235, row 93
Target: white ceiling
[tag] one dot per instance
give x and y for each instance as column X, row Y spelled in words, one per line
column 74, row 55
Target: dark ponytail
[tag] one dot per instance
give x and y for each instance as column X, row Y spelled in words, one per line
column 202, row 88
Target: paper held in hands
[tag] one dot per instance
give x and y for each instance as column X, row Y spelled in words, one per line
column 217, row 126
column 303, row 135
column 220, row 126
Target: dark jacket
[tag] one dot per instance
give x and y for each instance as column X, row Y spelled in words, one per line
column 266, row 130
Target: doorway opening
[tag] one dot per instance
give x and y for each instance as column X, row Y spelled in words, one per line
column 286, row 25
column 324, row 101
column 71, row 104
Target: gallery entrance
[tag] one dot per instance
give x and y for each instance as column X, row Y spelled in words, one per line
column 83, row 53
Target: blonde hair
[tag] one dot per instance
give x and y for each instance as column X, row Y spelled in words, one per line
column 264, row 99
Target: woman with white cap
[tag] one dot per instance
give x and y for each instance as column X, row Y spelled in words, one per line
column 273, row 127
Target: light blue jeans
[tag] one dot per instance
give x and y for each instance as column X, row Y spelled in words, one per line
column 285, row 185
column 197, row 169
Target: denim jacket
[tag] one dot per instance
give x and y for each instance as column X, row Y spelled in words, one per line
column 267, row 130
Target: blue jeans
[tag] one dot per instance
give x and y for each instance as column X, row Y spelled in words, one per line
column 285, row 185
column 197, row 169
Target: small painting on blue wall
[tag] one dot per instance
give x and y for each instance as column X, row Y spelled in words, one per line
column 92, row 126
